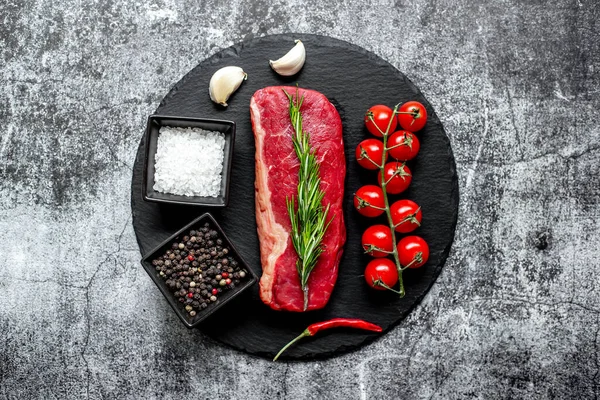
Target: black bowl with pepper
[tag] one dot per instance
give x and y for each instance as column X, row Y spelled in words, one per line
column 198, row 270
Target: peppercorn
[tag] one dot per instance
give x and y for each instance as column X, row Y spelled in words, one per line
column 192, row 284
column 225, row 275
column 215, row 291
column 218, row 277
column 242, row 274
column 227, row 281
column 192, row 313
column 213, row 298
column 190, row 295
column 188, row 308
column 181, row 246
column 225, row 250
column 222, row 282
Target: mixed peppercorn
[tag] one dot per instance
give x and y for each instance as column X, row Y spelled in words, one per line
column 198, row 268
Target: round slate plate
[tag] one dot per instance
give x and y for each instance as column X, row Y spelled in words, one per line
column 353, row 79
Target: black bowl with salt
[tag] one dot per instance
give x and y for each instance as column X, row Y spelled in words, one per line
column 188, row 160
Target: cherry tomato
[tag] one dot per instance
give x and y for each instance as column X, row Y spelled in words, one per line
column 403, row 145
column 369, row 153
column 413, row 251
column 383, row 116
column 369, row 202
column 380, row 272
column 414, row 117
column 406, row 215
column 380, row 237
column 397, row 175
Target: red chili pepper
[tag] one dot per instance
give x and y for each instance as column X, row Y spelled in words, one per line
column 332, row 323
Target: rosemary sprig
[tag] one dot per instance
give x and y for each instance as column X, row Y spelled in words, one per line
column 309, row 218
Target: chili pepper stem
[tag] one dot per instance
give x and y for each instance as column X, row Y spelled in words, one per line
column 387, row 204
column 304, row 334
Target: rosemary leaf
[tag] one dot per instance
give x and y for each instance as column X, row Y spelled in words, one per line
column 307, row 215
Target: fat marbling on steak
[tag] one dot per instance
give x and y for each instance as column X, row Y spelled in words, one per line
column 277, row 178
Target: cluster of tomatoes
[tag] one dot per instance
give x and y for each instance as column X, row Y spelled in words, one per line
column 404, row 216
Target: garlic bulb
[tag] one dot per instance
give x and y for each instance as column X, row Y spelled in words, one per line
column 224, row 82
column 292, row 62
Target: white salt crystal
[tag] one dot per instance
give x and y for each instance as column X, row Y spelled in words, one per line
column 189, row 161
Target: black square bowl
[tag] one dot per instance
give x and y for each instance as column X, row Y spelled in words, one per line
column 155, row 122
column 224, row 298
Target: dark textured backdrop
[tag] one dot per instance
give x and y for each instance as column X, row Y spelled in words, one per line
column 516, row 311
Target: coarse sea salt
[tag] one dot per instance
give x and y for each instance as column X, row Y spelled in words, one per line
column 189, row 161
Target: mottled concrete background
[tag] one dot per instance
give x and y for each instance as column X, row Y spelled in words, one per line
column 514, row 315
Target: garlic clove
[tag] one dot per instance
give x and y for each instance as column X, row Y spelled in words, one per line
column 224, row 82
column 292, row 62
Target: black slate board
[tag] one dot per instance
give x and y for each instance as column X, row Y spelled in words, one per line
column 353, row 79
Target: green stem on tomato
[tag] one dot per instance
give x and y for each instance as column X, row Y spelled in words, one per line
column 362, row 203
column 364, row 155
column 387, row 204
column 379, row 282
column 371, row 248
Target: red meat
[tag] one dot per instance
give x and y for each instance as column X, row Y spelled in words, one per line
column 277, row 178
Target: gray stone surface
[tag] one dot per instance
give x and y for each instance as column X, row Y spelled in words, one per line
column 514, row 315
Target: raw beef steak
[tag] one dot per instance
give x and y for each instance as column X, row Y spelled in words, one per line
column 277, row 178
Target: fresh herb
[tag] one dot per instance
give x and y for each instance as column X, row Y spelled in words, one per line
column 309, row 217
